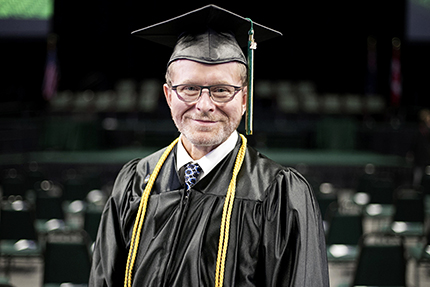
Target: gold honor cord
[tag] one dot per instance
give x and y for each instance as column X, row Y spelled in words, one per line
column 226, row 216
column 225, row 221
column 252, row 45
column 135, row 238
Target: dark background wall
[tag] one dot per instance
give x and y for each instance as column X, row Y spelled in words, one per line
column 323, row 42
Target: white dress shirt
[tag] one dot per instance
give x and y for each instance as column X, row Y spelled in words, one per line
column 210, row 160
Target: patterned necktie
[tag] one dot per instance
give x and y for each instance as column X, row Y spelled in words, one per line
column 192, row 171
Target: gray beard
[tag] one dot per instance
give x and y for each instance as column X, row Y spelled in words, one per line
column 189, row 132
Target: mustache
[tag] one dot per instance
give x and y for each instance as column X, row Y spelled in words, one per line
column 203, row 117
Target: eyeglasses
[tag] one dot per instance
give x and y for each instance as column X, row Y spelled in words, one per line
column 218, row 93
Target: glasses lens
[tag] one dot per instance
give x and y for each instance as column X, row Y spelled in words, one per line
column 222, row 93
column 188, row 93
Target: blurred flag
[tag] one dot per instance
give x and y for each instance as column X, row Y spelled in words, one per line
column 50, row 80
column 371, row 67
column 396, row 75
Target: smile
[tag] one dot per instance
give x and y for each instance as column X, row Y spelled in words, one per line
column 205, row 122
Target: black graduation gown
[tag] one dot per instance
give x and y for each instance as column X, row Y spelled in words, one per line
column 276, row 235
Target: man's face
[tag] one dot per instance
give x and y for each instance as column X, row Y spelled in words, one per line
column 205, row 123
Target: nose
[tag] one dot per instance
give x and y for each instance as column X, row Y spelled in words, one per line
column 205, row 103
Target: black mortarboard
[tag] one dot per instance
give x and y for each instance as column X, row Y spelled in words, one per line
column 211, row 35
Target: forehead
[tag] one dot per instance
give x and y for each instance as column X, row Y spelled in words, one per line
column 193, row 72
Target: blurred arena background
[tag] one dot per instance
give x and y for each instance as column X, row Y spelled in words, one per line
column 342, row 97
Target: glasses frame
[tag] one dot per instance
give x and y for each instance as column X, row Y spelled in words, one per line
column 237, row 89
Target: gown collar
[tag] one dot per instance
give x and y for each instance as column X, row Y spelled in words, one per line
column 209, row 161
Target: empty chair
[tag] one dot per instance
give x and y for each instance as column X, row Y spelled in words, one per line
column 95, row 202
column 420, row 253
column 48, row 207
column 382, row 191
column 379, row 207
column 17, row 222
column 324, row 201
column 13, row 184
column 381, row 261
column 34, row 175
column 425, row 181
column 92, row 220
column 345, row 228
column 67, row 259
column 379, row 187
column 48, row 201
column 18, row 237
column 75, row 189
column 325, row 194
column 409, row 215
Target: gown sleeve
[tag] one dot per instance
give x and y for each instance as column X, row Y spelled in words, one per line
column 110, row 250
column 293, row 243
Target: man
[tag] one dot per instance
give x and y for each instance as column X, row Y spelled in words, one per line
column 240, row 219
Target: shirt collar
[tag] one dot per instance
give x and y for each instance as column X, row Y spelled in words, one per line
column 209, row 161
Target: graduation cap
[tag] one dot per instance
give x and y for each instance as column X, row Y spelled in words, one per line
column 212, row 35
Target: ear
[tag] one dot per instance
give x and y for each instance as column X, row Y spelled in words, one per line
column 244, row 99
column 168, row 94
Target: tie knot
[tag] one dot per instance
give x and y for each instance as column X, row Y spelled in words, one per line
column 192, row 170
